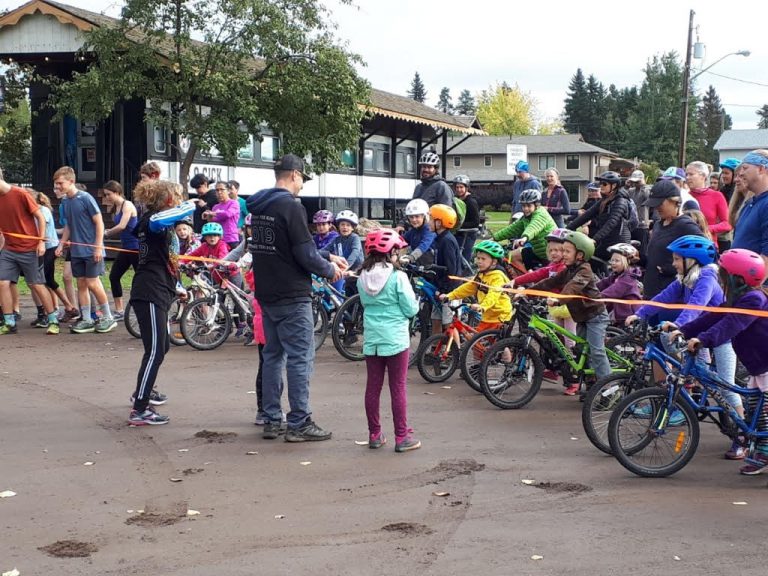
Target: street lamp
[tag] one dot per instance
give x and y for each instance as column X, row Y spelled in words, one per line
column 687, row 79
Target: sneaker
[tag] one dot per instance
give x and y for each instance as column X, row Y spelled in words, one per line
column 755, row 464
column 551, row 375
column 105, row 325
column 83, row 327
column 118, row 316
column 17, row 315
column 7, row 329
column 572, row 390
column 261, row 418
column 272, row 430
column 39, row 322
column 240, row 332
column 147, row 418
column 377, row 442
column 155, row 398
column 736, row 452
column 407, row 444
column 350, row 339
column 677, row 418
column 53, row 329
column 70, row 316
column 307, row 432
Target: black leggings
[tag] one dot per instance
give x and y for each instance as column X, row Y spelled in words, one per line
column 153, row 323
column 120, row 266
column 49, row 268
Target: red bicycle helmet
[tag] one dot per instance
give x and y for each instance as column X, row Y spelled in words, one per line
column 744, row 263
column 383, row 241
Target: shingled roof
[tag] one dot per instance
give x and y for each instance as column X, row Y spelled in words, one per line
column 742, row 140
column 537, row 144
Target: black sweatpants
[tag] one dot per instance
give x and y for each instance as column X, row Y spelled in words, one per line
column 120, row 266
column 153, row 323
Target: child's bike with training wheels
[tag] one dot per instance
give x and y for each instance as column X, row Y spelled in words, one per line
column 654, row 432
column 438, row 356
column 513, row 368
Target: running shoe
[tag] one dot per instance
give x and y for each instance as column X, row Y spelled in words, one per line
column 53, row 329
column 105, row 325
column 118, row 315
column 377, row 442
column 17, row 315
column 147, row 418
column 83, row 327
column 272, row 430
column 8, row 329
column 72, row 315
column 407, row 444
column 755, row 465
column 39, row 322
column 677, row 418
column 307, row 432
column 261, row 418
column 551, row 375
column 736, row 452
column 572, row 390
column 155, row 398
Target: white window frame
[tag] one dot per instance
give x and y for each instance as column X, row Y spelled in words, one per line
column 488, row 161
column 546, row 165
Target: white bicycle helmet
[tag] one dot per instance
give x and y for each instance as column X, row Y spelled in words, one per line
column 430, row 159
column 462, row 179
column 531, row 196
column 417, row 206
column 347, row 216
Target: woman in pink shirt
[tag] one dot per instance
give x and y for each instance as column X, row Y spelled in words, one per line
column 227, row 213
column 711, row 202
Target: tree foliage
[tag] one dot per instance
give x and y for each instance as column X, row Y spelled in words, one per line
column 445, row 102
column 465, row 106
column 712, row 122
column 260, row 62
column 763, row 114
column 16, row 125
column 504, row 110
column 417, row 91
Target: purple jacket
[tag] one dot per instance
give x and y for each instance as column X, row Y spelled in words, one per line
column 228, row 214
column 706, row 292
column 624, row 286
column 748, row 334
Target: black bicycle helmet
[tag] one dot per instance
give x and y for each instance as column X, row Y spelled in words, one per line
column 610, row 177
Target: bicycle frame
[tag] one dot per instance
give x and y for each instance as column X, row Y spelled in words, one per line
column 331, row 298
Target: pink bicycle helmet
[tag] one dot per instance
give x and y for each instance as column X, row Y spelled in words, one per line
column 323, row 217
column 744, row 263
column 383, row 241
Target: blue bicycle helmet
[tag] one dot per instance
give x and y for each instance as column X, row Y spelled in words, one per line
column 212, row 229
column 697, row 247
column 730, row 163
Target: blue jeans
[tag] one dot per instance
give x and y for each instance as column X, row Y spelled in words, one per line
column 593, row 331
column 289, row 331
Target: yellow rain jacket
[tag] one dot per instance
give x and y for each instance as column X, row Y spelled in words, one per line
column 495, row 303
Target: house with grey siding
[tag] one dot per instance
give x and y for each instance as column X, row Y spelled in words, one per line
column 736, row 143
column 484, row 160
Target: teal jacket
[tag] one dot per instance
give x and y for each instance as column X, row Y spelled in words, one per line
column 389, row 303
column 535, row 227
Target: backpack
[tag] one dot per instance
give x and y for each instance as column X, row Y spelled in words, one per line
column 633, row 221
column 461, row 212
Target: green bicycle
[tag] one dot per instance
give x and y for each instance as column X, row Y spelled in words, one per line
column 513, row 368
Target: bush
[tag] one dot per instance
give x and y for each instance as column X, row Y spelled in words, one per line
column 505, row 207
column 488, row 208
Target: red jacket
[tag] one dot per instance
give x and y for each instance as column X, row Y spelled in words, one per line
column 540, row 273
column 715, row 209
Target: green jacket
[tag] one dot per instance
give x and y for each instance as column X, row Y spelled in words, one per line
column 535, row 227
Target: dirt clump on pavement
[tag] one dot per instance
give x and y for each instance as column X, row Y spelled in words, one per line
column 190, row 471
column 448, row 469
column 69, row 549
column 571, row 487
column 218, row 437
column 149, row 519
column 408, row 528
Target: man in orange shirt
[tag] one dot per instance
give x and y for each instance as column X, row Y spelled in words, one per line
column 20, row 214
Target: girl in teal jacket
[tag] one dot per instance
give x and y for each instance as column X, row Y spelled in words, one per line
column 389, row 303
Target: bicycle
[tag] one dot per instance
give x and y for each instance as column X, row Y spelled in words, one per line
column 326, row 300
column 439, row 355
column 654, row 432
column 512, row 370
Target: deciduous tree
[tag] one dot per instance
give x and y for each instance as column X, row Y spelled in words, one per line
column 504, row 110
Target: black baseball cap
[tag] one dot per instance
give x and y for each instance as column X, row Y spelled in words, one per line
column 292, row 162
column 662, row 190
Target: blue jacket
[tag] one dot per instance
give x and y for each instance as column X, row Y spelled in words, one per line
column 751, row 232
column 706, row 292
column 420, row 240
column 349, row 247
column 447, row 254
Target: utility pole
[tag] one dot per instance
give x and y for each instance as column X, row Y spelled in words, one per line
column 686, row 95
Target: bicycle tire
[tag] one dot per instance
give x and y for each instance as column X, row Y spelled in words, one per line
column 627, row 346
column 614, row 332
column 130, row 321
column 321, row 322
column 432, row 355
column 471, row 359
column 524, row 366
column 599, row 402
column 175, row 312
column 638, row 449
column 347, row 329
column 196, row 328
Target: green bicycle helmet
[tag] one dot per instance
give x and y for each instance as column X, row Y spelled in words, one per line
column 583, row 243
column 493, row 249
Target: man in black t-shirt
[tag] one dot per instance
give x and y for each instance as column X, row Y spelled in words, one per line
column 284, row 259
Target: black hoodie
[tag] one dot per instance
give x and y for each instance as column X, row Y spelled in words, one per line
column 608, row 223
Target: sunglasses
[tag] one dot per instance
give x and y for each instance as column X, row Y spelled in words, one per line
column 221, row 189
column 605, row 183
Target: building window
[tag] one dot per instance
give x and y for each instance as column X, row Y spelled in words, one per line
column 269, row 148
column 457, row 161
column 349, row 159
column 572, row 162
column 368, row 160
column 246, row 152
column 488, row 161
column 376, row 159
column 160, row 140
column 546, row 161
column 410, row 163
column 404, row 161
column 572, row 188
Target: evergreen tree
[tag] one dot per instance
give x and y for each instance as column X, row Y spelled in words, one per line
column 595, row 113
column 763, row 113
column 620, row 105
column 445, row 102
column 466, row 104
column 712, row 121
column 576, row 104
column 418, row 92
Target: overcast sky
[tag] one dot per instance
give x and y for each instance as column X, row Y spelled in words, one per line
column 473, row 44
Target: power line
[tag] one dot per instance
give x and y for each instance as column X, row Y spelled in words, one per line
column 737, row 79
column 745, row 105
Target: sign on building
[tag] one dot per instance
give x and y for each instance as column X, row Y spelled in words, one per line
column 515, row 153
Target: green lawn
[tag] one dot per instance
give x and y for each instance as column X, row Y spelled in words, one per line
column 126, row 280
column 496, row 220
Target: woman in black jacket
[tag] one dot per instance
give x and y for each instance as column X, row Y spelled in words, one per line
column 608, row 218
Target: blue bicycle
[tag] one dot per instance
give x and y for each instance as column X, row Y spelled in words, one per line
column 654, row 432
column 326, row 301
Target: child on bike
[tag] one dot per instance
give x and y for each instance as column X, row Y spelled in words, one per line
column 623, row 282
column 447, row 257
column 487, row 285
column 188, row 240
column 741, row 273
column 324, row 232
column 419, row 236
column 152, row 290
column 532, row 229
column 388, row 305
column 577, row 279
column 347, row 245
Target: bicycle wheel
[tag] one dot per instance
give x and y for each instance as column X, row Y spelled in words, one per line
column 421, row 329
column 175, row 312
column 511, row 373
column 321, row 322
column 599, row 402
column 471, row 357
column 131, row 322
column 614, row 332
column 347, row 329
column 436, row 363
column 629, row 347
column 205, row 325
column 642, row 448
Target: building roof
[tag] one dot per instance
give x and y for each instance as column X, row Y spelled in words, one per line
column 537, row 144
column 382, row 103
column 742, row 140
